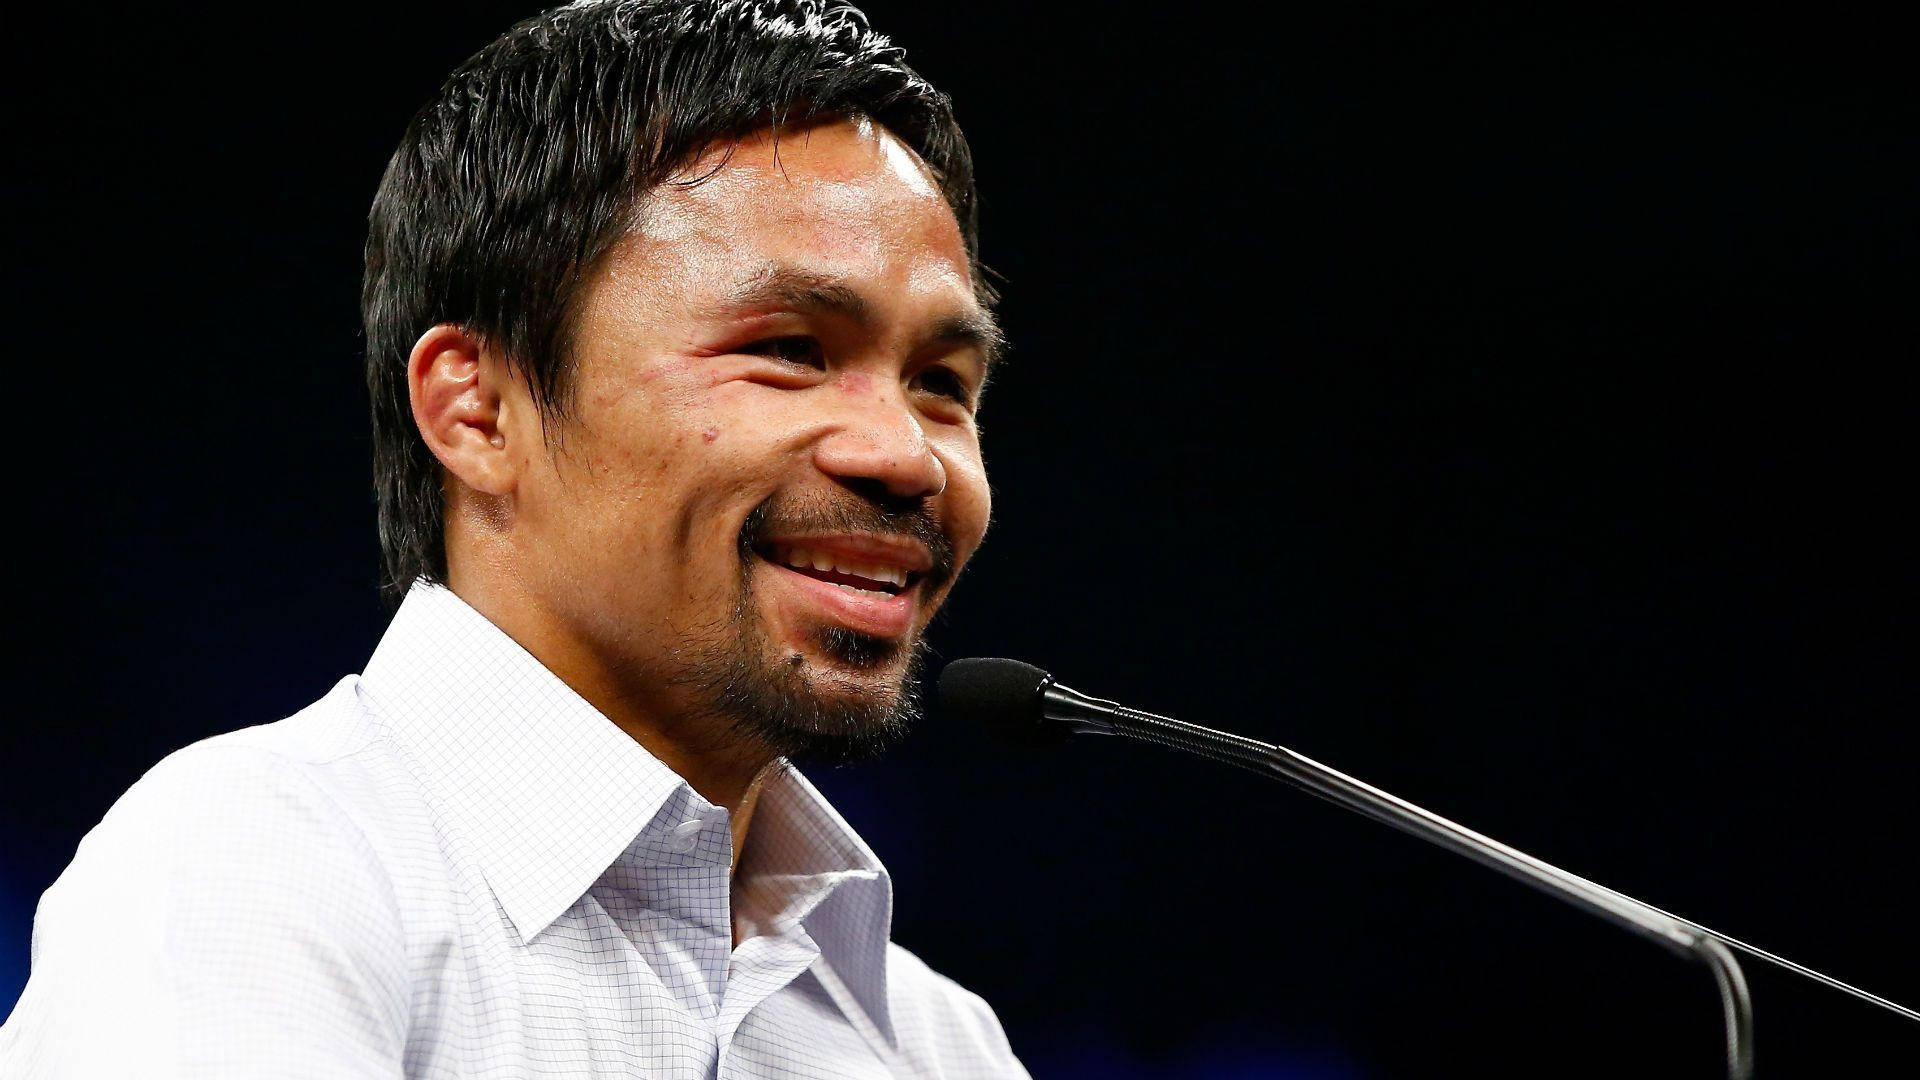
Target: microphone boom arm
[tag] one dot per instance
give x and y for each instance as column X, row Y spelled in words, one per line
column 1089, row 715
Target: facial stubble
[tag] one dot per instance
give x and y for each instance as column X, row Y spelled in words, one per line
column 749, row 691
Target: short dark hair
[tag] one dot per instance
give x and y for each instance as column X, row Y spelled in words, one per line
column 529, row 166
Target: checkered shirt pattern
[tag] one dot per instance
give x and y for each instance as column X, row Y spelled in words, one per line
column 453, row 866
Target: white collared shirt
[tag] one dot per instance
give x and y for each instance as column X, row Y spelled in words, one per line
column 453, row 866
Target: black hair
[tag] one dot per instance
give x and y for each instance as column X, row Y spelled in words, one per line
column 531, row 162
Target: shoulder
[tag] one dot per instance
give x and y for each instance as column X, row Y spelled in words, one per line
column 947, row 1021
column 247, row 794
column 229, row 902
column 245, row 818
column 232, row 842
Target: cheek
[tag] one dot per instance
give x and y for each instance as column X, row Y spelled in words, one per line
column 969, row 499
column 671, row 484
column 609, row 492
column 650, row 432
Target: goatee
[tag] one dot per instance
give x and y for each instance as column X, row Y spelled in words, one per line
column 756, row 696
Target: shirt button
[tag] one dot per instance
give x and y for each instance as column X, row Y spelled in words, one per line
column 686, row 836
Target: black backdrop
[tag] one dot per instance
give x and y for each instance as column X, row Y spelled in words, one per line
column 1516, row 412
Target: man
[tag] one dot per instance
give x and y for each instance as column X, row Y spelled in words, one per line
column 676, row 335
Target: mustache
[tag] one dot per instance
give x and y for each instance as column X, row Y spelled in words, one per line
column 911, row 519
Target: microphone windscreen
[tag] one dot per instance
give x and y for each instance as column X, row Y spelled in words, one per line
column 1001, row 696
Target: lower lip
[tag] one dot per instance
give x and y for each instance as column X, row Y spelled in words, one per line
column 875, row 613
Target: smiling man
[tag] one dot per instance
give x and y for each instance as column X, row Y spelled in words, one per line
column 676, row 338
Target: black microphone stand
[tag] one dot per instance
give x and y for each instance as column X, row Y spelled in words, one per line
column 1083, row 714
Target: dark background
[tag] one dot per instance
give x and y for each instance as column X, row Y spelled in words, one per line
column 1516, row 412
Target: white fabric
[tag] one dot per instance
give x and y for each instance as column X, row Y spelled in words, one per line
column 453, row 866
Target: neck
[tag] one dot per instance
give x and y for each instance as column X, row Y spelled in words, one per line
column 726, row 774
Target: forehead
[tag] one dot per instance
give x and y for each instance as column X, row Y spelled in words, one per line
column 845, row 199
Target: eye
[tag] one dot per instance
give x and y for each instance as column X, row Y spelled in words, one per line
column 945, row 383
column 796, row 349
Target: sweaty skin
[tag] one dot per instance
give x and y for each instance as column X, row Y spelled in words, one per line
column 609, row 545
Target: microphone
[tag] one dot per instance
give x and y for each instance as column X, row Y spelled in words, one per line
column 1024, row 705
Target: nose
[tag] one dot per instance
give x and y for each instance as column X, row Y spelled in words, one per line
column 882, row 445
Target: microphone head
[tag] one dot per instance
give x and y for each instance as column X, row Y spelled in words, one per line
column 1002, row 696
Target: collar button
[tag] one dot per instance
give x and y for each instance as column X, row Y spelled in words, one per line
column 686, row 836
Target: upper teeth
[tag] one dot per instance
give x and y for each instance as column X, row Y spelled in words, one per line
column 805, row 558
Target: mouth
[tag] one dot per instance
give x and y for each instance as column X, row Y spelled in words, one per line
column 821, row 562
column 867, row 583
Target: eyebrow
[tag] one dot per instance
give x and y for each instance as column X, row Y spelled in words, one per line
column 809, row 293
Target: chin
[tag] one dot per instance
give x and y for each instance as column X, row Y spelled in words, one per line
column 842, row 698
column 857, row 673
column 842, row 649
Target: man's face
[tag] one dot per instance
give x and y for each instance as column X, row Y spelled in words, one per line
column 770, row 474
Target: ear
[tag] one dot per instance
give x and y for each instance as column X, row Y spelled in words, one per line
column 467, row 409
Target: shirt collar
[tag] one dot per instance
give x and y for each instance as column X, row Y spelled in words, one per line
column 546, row 789
column 549, row 792
column 804, row 864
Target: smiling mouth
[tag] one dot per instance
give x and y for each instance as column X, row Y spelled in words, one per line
column 853, row 575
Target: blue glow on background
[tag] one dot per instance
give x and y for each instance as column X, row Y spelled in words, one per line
column 19, row 893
